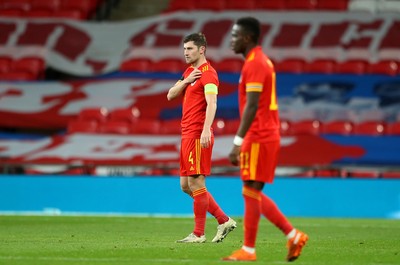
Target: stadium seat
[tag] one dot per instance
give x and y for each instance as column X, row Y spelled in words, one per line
column 386, row 67
column 49, row 5
column 323, row 66
column 336, row 5
column 169, row 65
column 136, row 65
column 70, row 14
column 305, row 127
column 32, row 65
column 300, row 4
column 146, row 126
column 5, row 64
column 11, row 13
column 240, row 4
column 129, row 115
column 391, row 175
column 176, row 5
column 358, row 67
column 214, row 5
column 337, row 127
column 219, row 126
column 231, row 126
column 85, row 7
column 22, row 5
column 232, row 65
column 268, row 4
column 115, row 127
column 171, row 126
column 373, row 128
column 39, row 13
column 393, row 128
column 291, row 65
column 17, row 76
column 99, row 114
column 82, row 126
column 284, row 128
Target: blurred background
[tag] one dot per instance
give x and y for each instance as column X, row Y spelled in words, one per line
column 83, row 88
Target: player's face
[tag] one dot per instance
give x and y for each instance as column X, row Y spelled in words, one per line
column 191, row 52
column 238, row 40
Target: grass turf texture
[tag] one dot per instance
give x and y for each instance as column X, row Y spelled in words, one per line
column 135, row 240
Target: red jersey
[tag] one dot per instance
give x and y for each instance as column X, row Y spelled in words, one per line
column 194, row 101
column 258, row 75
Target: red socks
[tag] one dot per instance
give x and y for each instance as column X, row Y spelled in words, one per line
column 271, row 211
column 215, row 210
column 252, row 212
column 200, row 206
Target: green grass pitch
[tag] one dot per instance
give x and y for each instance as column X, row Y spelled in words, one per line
column 99, row 240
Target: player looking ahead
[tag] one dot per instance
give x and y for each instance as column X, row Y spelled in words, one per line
column 257, row 141
column 199, row 87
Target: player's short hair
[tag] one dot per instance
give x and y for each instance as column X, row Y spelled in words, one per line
column 251, row 26
column 198, row 39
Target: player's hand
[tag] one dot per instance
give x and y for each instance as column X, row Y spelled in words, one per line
column 205, row 139
column 234, row 155
column 193, row 76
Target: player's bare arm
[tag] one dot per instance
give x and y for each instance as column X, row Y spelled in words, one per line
column 179, row 86
column 249, row 113
column 205, row 138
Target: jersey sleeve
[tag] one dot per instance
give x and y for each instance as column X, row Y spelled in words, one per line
column 210, row 81
column 256, row 74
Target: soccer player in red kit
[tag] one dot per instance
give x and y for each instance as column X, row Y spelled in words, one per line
column 257, row 141
column 199, row 87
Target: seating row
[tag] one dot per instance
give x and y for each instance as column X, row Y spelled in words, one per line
column 73, row 9
column 127, row 121
column 221, row 5
column 290, row 65
column 22, row 69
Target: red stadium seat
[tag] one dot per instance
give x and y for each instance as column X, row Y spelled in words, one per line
column 231, row 126
column 85, row 7
column 82, row 126
column 386, row 67
column 136, row 65
column 393, row 128
column 268, row 4
column 374, row 128
column 232, row 65
column 214, row 5
column 171, row 126
column 352, row 67
column 70, row 14
column 337, row 127
column 33, row 65
column 169, row 65
column 11, row 13
column 23, row 5
column 176, row 5
column 300, row 4
column 146, row 126
column 219, row 126
column 336, row 5
column 17, row 76
column 391, row 175
column 324, row 66
column 284, row 128
column 39, row 13
column 305, row 127
column 240, row 4
column 291, row 65
column 49, row 5
column 5, row 64
column 129, row 115
column 115, row 127
column 99, row 114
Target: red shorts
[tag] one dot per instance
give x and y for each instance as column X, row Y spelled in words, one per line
column 194, row 159
column 258, row 161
